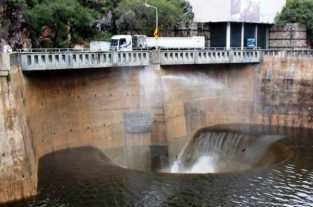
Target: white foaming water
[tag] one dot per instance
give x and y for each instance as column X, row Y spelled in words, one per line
column 205, row 164
column 195, row 79
column 175, row 167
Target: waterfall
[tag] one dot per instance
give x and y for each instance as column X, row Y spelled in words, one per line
column 214, row 151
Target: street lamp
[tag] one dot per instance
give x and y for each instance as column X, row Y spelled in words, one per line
column 156, row 17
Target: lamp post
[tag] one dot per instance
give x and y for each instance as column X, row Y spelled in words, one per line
column 156, row 17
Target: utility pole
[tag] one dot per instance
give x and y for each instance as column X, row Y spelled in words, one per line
column 156, row 31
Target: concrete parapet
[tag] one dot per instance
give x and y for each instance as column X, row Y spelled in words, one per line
column 83, row 60
column 289, row 53
column 194, row 57
column 32, row 61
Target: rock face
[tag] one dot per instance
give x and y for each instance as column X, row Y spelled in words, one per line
column 17, row 172
column 12, row 27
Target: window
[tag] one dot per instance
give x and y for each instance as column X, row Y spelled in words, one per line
column 218, row 35
column 262, row 36
column 236, row 35
column 249, row 33
column 114, row 43
column 122, row 41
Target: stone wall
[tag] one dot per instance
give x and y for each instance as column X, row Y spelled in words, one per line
column 291, row 36
column 18, row 172
column 285, row 97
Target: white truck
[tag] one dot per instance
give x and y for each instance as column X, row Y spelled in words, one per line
column 100, row 46
column 137, row 42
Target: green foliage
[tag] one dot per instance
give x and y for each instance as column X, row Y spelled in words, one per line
column 98, row 5
column 68, row 21
column 134, row 16
column 297, row 11
column 16, row 4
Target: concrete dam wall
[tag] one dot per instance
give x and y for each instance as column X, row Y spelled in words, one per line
column 43, row 112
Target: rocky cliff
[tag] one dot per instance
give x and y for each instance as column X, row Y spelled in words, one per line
column 12, row 26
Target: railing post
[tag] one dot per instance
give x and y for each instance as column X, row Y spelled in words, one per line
column 231, row 56
column 155, row 56
column 261, row 55
column 5, row 61
column 114, row 57
column 4, row 64
column 283, row 53
column 196, row 57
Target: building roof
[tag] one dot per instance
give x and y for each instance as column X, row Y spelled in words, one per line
column 250, row 11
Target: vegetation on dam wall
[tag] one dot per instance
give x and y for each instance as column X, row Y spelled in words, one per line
column 66, row 23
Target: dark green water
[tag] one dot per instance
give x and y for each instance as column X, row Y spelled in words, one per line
column 84, row 177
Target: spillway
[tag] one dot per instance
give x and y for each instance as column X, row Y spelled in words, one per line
column 222, row 151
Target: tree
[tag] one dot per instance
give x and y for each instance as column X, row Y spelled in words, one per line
column 109, row 16
column 297, row 11
column 13, row 29
column 60, row 23
column 134, row 16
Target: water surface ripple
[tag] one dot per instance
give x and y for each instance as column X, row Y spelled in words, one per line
column 85, row 177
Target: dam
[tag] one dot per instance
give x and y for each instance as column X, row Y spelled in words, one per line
column 227, row 134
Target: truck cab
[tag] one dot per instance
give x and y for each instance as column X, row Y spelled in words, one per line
column 121, row 43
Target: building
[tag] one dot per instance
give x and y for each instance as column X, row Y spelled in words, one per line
column 234, row 23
